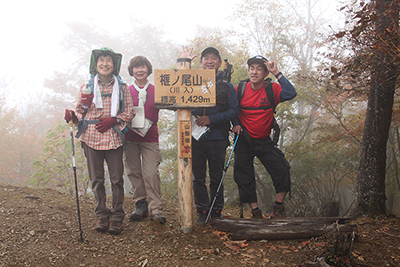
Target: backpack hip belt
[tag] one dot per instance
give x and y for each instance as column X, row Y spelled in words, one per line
column 84, row 124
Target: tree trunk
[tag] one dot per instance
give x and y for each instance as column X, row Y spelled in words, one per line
column 280, row 229
column 391, row 171
column 370, row 185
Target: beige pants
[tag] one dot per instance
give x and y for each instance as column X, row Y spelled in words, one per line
column 142, row 160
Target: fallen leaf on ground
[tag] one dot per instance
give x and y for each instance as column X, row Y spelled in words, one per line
column 271, row 247
column 319, row 244
column 230, row 246
column 235, row 245
column 248, row 262
column 241, row 243
column 249, row 256
column 222, row 235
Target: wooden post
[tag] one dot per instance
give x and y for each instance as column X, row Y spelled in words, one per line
column 182, row 90
column 185, row 191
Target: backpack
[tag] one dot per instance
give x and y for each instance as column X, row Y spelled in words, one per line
column 270, row 95
column 121, row 90
column 84, row 123
column 222, row 91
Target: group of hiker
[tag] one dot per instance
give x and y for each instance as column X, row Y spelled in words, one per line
column 106, row 107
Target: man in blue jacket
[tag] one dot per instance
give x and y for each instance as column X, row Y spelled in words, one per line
column 212, row 148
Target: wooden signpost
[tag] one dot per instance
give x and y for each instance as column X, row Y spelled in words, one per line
column 182, row 90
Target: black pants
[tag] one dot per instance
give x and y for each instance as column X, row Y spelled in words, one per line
column 270, row 156
column 213, row 152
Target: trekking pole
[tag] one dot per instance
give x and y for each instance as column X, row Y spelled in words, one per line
column 71, row 123
column 222, row 180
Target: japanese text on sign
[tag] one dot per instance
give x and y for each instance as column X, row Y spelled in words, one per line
column 184, row 88
column 186, row 139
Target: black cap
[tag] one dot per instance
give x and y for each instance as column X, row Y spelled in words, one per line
column 257, row 59
column 211, row 50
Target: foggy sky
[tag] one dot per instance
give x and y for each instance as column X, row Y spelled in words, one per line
column 32, row 30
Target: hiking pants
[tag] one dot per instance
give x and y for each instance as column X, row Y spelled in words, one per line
column 270, row 156
column 142, row 160
column 213, row 152
column 95, row 161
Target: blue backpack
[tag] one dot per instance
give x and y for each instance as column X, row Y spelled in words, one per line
column 84, row 123
column 121, row 90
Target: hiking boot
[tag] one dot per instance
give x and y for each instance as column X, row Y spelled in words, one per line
column 115, row 228
column 140, row 212
column 159, row 218
column 101, row 225
column 256, row 214
column 278, row 212
column 202, row 217
column 216, row 214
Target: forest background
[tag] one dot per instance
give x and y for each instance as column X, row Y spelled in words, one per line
column 322, row 128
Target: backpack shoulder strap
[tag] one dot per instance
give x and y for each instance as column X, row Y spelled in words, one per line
column 91, row 83
column 121, row 93
column 241, row 87
column 121, row 89
column 222, row 89
column 270, row 93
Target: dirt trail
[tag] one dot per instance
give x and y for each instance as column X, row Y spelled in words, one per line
column 39, row 227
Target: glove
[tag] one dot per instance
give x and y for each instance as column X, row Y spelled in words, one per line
column 105, row 124
column 70, row 115
column 86, row 100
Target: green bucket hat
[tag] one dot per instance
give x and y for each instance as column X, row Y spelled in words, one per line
column 105, row 50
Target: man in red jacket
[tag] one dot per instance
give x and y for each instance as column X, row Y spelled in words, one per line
column 256, row 120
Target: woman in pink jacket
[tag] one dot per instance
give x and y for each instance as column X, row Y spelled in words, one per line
column 142, row 156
